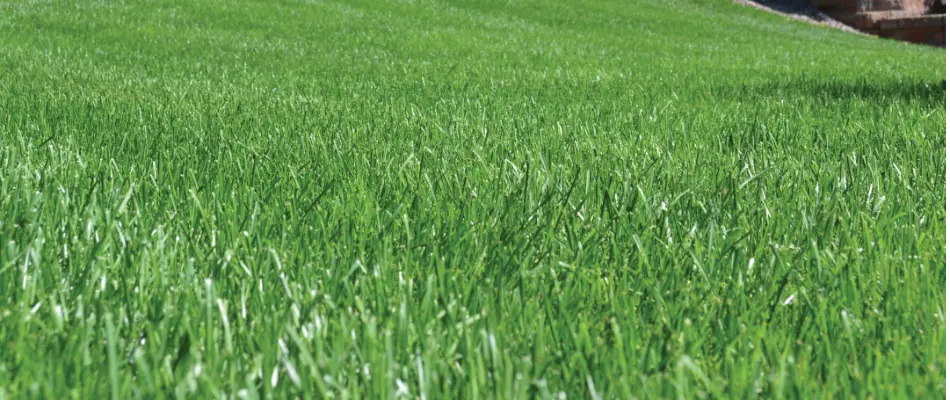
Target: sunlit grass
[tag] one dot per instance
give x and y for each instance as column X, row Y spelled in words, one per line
column 466, row 199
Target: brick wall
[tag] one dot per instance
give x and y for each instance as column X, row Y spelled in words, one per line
column 909, row 20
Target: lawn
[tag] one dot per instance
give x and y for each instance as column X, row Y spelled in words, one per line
column 585, row 199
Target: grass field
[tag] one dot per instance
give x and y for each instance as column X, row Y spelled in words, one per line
column 466, row 199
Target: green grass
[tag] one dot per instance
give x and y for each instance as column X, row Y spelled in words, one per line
column 466, row 199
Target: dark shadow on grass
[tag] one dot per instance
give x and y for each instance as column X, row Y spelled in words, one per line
column 928, row 94
column 798, row 8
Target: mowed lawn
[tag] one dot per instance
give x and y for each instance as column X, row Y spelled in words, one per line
column 586, row 199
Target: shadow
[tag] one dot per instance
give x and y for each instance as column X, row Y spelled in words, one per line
column 928, row 94
column 801, row 9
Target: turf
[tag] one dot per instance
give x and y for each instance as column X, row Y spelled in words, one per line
column 466, row 199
